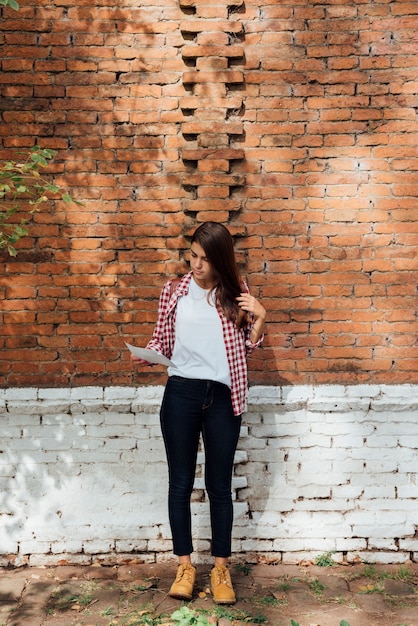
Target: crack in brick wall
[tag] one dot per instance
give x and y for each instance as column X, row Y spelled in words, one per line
column 213, row 129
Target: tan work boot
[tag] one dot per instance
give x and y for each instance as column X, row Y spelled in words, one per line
column 222, row 590
column 182, row 587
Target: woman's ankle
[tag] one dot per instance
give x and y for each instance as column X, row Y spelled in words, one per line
column 221, row 561
column 185, row 560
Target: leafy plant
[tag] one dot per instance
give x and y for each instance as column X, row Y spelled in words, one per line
column 316, row 586
column 22, row 183
column 369, row 571
column 234, row 614
column 187, row 617
column 325, row 560
column 10, row 3
column 243, row 568
column 404, row 574
column 270, row 601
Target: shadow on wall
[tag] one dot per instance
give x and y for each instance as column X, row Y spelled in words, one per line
column 329, row 466
column 103, row 263
column 83, row 474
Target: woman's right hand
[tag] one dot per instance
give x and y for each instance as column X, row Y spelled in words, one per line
column 138, row 361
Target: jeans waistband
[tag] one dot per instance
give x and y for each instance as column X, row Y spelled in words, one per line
column 199, row 380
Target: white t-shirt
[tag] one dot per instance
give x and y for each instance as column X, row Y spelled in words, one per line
column 199, row 348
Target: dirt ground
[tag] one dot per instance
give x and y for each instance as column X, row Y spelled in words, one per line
column 275, row 595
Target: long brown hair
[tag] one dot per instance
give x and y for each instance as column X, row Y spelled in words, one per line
column 217, row 242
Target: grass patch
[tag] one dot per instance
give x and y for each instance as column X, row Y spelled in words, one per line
column 325, row 560
column 243, row 568
column 62, row 600
column 316, row 587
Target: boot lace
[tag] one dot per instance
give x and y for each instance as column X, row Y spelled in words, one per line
column 184, row 572
column 222, row 576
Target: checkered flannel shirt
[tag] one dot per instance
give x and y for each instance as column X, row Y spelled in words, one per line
column 237, row 341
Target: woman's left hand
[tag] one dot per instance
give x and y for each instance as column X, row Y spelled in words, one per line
column 248, row 303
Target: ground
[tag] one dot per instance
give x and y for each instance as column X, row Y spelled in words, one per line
column 135, row 594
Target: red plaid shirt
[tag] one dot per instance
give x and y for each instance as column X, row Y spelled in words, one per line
column 237, row 341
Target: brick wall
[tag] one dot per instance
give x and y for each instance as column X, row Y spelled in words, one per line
column 83, row 476
column 293, row 122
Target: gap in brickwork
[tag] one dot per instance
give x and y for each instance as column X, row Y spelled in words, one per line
column 212, row 107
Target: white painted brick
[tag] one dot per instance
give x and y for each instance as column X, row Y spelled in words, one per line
column 336, row 429
column 116, row 394
column 118, row 418
column 310, row 440
column 85, row 393
column 338, row 405
column 285, row 417
column 382, row 543
column 399, row 391
column 10, row 432
column 21, row 393
column 327, row 466
column 410, row 544
column 54, row 407
column 87, row 406
column 141, row 545
column 72, row 546
column 350, row 545
column 330, row 391
column 23, row 408
column 264, row 395
column 297, row 394
column 407, row 491
column 362, row 391
column 19, row 445
column 303, row 555
column 380, row 557
column 146, row 419
column 49, row 560
column 395, row 405
column 251, row 545
column 54, row 394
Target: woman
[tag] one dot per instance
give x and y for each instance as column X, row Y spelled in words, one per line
column 207, row 323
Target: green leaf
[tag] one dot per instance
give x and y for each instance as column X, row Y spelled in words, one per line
column 52, row 188
column 67, row 198
column 39, row 159
column 11, row 3
column 344, row 623
column 293, row 623
column 21, row 231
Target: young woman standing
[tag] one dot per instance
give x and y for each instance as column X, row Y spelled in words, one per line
column 207, row 323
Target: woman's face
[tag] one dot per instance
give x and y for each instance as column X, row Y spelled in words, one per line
column 202, row 270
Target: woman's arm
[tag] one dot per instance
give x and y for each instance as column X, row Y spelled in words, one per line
column 157, row 342
column 248, row 303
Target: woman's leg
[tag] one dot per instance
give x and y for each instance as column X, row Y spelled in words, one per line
column 181, row 426
column 220, row 435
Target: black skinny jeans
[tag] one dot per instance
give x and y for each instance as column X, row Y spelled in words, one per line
column 191, row 407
